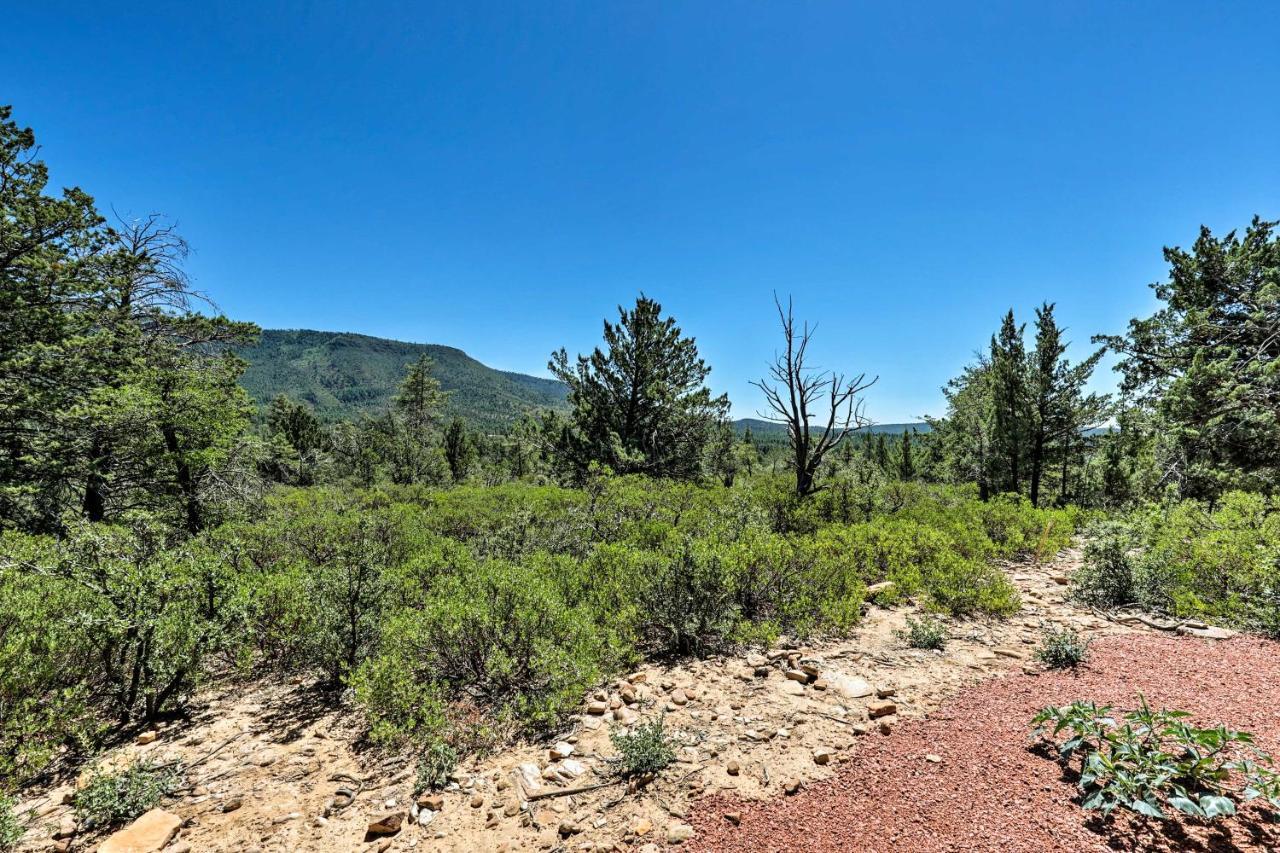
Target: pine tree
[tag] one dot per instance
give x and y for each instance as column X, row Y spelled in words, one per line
column 906, row 465
column 641, row 405
column 1010, row 398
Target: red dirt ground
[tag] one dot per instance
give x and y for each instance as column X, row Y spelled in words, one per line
column 991, row 791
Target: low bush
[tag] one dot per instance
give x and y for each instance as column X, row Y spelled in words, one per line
column 646, row 750
column 1106, row 578
column 1148, row 761
column 11, row 828
column 924, row 633
column 111, row 798
column 435, row 764
column 1062, row 648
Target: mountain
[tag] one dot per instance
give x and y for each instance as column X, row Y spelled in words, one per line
column 343, row 375
column 767, row 430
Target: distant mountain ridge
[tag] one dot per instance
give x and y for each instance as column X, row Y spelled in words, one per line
column 343, row 375
column 768, row 428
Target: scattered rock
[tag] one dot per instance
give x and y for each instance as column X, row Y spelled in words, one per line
column 822, row 756
column 733, row 768
column 561, row 750
column 147, row 737
column 797, row 675
column 598, row 708
column 881, row 709
column 568, row 827
column 679, row 833
column 640, row 826
column 933, row 758
column 388, row 824
column 477, row 801
column 679, row 697
column 734, row 818
column 791, row 786
column 232, row 804
column 792, row 688
column 431, row 802
column 147, row 834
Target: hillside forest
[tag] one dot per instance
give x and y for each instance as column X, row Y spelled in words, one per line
column 461, row 576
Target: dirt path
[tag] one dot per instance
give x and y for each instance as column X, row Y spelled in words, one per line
column 988, row 790
column 746, row 731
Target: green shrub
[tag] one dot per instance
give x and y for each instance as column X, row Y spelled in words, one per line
column 1106, row 579
column 924, row 633
column 114, row 797
column 1152, row 760
column 11, row 829
column 1062, row 648
column 435, row 764
column 645, row 750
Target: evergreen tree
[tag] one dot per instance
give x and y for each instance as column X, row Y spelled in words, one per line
column 1206, row 363
column 906, row 465
column 459, row 449
column 1010, row 398
column 641, row 405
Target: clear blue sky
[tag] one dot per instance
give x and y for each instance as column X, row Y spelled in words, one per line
column 499, row 176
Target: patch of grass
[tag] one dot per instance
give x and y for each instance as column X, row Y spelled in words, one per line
column 646, row 750
column 114, row 798
column 924, row 633
column 1062, row 648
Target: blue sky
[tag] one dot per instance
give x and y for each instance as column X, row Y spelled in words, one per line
column 498, row 176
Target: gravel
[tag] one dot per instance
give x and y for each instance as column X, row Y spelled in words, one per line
column 990, row 791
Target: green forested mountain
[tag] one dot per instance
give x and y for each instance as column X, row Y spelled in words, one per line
column 343, row 375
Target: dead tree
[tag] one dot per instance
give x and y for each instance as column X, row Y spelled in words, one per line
column 798, row 394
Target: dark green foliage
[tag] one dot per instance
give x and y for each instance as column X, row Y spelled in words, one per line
column 111, row 798
column 1107, row 577
column 1149, row 761
column 1205, row 363
column 646, row 750
column 924, row 633
column 1062, row 648
column 343, row 376
column 641, row 404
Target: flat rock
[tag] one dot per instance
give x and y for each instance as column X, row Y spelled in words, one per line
column 792, row 688
column 851, row 687
column 147, row 834
column 881, row 709
column 1208, row 632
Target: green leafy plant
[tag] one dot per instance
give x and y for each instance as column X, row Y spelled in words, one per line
column 924, row 633
column 1149, row 760
column 113, row 798
column 434, row 766
column 1062, row 648
column 646, row 750
column 11, row 829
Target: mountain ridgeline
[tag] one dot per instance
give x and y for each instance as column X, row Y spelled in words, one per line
column 343, row 375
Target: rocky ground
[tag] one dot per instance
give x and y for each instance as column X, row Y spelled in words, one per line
column 273, row 769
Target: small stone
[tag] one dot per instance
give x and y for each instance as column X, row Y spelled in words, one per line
column 679, row 697
column 431, row 802
column 561, row 750
column 1061, row 580
column 679, row 833
column 637, row 678
column 147, row 737
column 598, row 708
column 792, row 688
column 477, row 801
column 820, row 684
column 568, row 827
column 886, row 692
column 762, row 671
column 877, row 588
column 791, row 786
column 232, row 804
column 797, row 675
column 885, row 727
column 733, row 768
column 822, row 756
column 640, row 826
column 933, row 758
column 66, row 828
column 850, row 687
column 881, row 709
column 734, row 818
column 388, row 824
